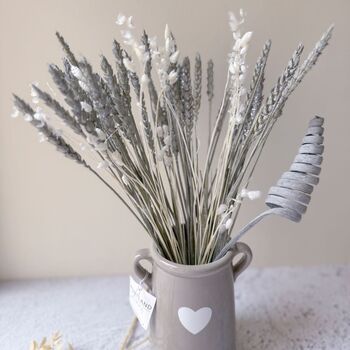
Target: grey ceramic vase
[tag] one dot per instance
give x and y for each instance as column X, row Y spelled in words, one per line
column 195, row 306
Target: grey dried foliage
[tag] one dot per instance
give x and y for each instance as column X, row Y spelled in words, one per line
column 143, row 144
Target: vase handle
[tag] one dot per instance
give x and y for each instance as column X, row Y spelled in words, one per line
column 142, row 274
column 244, row 261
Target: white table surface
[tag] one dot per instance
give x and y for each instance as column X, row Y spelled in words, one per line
column 277, row 309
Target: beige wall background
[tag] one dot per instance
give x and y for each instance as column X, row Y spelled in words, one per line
column 57, row 220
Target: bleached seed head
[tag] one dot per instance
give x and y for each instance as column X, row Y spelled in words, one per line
column 125, row 180
column 243, row 51
column 58, row 132
column 244, row 193
column 229, row 223
column 140, row 53
column 86, row 106
column 42, row 138
column 120, row 19
column 144, row 80
column 33, row 92
column 245, row 39
column 83, row 86
column 128, row 65
column 167, row 33
column 239, row 118
column 15, row 112
column 174, row 57
column 250, row 194
column 126, row 34
column 28, row 117
column 76, row 72
column 233, row 22
column 172, row 77
column 237, row 45
column 130, row 22
column 167, row 45
column 234, row 68
column 221, row 209
column 153, row 43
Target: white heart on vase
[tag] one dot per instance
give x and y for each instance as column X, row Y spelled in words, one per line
column 194, row 321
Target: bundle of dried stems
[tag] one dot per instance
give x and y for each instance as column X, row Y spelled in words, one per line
column 134, row 126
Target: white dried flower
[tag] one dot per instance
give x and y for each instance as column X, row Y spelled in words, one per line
column 167, row 45
column 28, row 117
column 174, row 57
column 233, row 21
column 33, row 92
column 58, row 132
column 15, row 113
column 238, row 118
column 128, row 65
column 144, row 80
column 83, row 86
column 222, row 229
column 127, row 35
column 125, row 180
column 234, row 68
column 76, row 72
column 245, row 39
column 42, row 137
column 40, row 116
column 131, row 22
column 172, row 77
column 86, row 106
column 167, row 33
column 243, row 50
column 221, row 209
column 229, row 223
column 250, row 194
column 120, row 19
column 153, row 43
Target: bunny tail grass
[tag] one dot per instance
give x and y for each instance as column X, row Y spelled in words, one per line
column 292, row 193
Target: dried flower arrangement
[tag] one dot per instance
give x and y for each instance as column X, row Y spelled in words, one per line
column 145, row 148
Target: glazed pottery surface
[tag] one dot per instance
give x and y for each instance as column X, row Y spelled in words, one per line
column 195, row 303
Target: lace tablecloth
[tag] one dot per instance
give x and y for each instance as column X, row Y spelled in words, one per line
column 277, row 309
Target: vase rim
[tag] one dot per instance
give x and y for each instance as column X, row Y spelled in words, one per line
column 191, row 270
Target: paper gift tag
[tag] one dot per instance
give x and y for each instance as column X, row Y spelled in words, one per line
column 141, row 302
